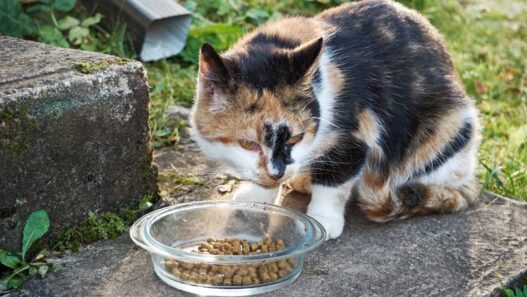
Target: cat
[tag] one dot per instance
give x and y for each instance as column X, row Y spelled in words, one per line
column 361, row 101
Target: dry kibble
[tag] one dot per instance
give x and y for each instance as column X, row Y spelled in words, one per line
column 210, row 280
column 171, row 264
column 237, row 280
column 176, row 272
column 282, row 264
column 273, row 276
column 185, row 276
column 291, row 261
column 283, row 273
column 247, row 281
column 265, row 277
column 204, row 266
column 218, row 279
column 228, row 275
column 228, row 272
column 273, row 268
column 242, row 272
column 215, row 268
column 187, row 265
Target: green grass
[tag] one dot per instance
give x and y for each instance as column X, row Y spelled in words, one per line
column 487, row 39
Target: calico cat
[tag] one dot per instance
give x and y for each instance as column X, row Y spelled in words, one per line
column 359, row 101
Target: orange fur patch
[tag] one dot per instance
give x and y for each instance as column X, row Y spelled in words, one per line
column 368, row 128
column 301, row 183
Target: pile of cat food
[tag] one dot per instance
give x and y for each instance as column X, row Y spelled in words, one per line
column 233, row 274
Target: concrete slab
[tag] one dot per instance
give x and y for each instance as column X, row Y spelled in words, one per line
column 70, row 142
column 467, row 254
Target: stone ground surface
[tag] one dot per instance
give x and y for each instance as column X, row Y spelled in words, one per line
column 465, row 254
column 70, row 142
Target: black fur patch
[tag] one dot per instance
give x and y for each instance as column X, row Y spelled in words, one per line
column 411, row 195
column 281, row 150
column 341, row 163
column 455, row 145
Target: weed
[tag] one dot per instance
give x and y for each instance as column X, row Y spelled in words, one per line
column 18, row 270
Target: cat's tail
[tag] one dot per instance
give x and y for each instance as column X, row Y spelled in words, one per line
column 415, row 199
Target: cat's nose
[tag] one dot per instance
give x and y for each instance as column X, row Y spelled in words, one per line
column 276, row 175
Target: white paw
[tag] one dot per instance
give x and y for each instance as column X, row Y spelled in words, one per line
column 333, row 225
column 249, row 192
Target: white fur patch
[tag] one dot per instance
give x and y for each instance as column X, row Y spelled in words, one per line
column 254, row 193
column 328, row 206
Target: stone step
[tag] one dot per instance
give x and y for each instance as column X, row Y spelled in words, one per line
column 471, row 253
column 70, row 141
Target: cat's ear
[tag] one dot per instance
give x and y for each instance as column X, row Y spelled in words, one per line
column 211, row 66
column 304, row 56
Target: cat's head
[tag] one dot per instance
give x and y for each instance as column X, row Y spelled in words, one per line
column 255, row 109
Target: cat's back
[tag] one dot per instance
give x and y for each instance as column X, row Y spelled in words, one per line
column 380, row 23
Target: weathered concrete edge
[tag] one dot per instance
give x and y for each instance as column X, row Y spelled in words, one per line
column 7, row 95
column 519, row 277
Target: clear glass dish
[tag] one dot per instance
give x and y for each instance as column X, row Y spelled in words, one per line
column 173, row 235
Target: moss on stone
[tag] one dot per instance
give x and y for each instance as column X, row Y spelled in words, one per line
column 15, row 127
column 89, row 67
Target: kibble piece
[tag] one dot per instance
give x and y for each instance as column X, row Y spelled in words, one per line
column 185, row 276
column 273, row 268
column 214, row 251
column 254, row 247
column 227, row 247
column 247, row 281
column 291, row 261
column 283, row 273
column 217, row 245
column 210, row 280
column 228, row 272
column 211, row 239
column 242, row 272
column 187, row 265
column 203, row 277
column 273, row 276
column 237, row 280
column 176, row 272
column 218, row 279
column 265, row 277
column 193, row 279
column 256, row 280
column 264, row 248
column 282, row 264
column 215, row 268
column 280, row 244
column 169, row 264
column 272, row 246
column 227, row 282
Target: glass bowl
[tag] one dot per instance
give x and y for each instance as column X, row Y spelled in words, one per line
column 269, row 243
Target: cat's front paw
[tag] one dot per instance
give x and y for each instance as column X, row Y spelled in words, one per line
column 333, row 225
column 249, row 192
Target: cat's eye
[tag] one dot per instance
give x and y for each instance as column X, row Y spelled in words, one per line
column 249, row 145
column 296, row 138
